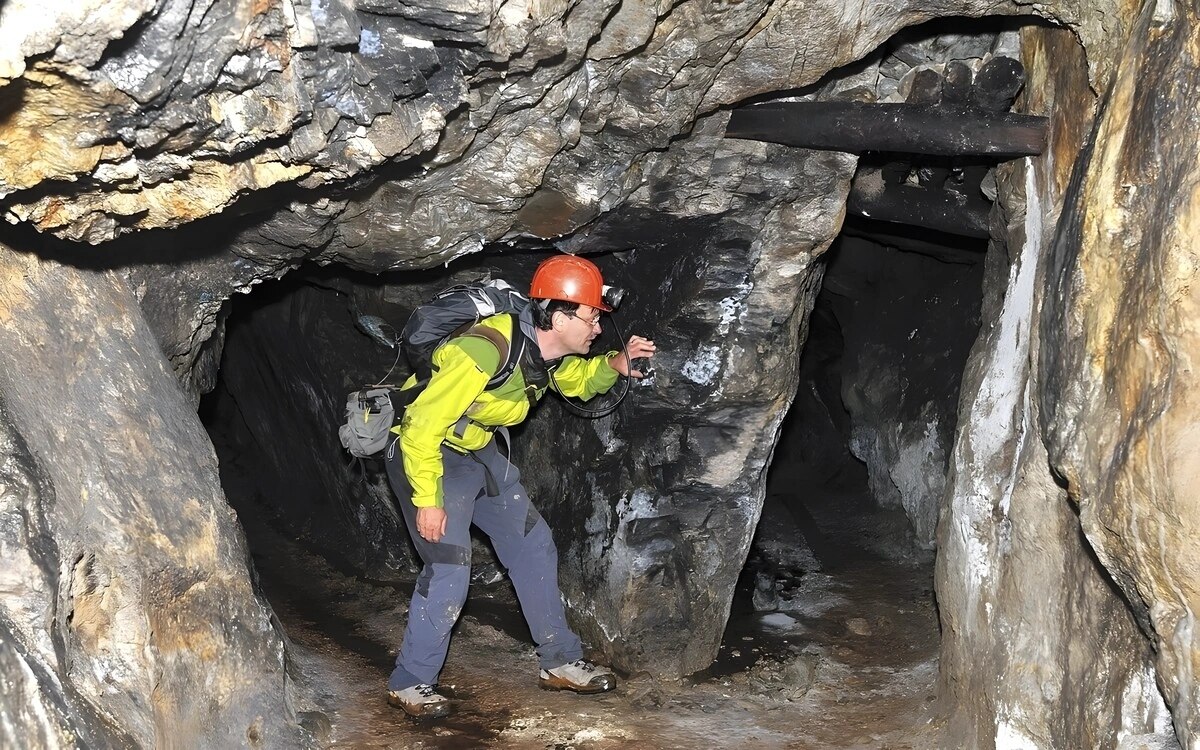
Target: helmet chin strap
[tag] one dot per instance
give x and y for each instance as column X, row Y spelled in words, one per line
column 579, row 407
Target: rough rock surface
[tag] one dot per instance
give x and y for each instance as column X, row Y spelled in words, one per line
column 774, row 224
column 662, row 520
column 143, row 133
column 1039, row 649
column 1118, row 406
column 127, row 592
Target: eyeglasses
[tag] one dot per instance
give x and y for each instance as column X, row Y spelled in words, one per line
column 592, row 323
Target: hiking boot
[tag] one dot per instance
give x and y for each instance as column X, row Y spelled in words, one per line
column 579, row 676
column 420, row 702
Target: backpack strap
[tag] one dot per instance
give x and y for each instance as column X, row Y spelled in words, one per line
column 509, row 355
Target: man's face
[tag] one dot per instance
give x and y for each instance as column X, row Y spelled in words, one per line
column 579, row 328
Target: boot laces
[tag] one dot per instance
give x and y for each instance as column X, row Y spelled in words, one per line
column 426, row 691
column 585, row 665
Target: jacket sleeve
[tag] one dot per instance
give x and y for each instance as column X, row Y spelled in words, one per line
column 584, row 378
column 458, row 381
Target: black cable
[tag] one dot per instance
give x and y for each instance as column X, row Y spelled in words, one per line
column 576, row 405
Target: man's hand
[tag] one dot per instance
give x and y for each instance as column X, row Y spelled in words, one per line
column 431, row 524
column 638, row 348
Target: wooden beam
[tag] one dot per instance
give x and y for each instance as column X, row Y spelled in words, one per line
column 855, row 127
column 947, row 248
column 998, row 83
column 941, row 210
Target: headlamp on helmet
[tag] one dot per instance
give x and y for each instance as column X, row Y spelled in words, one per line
column 573, row 279
column 612, row 296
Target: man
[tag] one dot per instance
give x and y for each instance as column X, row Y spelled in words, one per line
column 448, row 474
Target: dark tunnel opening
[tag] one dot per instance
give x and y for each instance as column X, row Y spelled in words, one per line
column 842, row 557
column 845, row 543
column 293, row 350
column 319, row 526
column 875, row 410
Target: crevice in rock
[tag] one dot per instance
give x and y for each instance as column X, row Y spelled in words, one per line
column 845, row 540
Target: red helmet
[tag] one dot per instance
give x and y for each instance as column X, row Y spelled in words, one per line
column 571, row 279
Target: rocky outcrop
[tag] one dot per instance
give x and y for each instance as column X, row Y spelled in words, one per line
column 127, row 592
column 1118, row 402
column 1039, row 647
column 196, row 106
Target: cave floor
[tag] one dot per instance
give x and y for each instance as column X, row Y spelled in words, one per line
column 849, row 660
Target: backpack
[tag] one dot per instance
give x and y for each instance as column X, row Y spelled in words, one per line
column 369, row 419
column 455, row 312
column 371, row 412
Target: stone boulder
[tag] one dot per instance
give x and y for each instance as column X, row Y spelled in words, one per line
column 129, row 615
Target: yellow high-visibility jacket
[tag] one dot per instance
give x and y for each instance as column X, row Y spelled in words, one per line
column 462, row 368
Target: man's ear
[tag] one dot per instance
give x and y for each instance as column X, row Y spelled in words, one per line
column 557, row 320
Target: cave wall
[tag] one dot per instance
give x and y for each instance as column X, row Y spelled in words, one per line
column 400, row 137
column 662, row 524
column 128, row 610
column 651, row 539
column 1118, row 404
column 381, row 135
column 654, row 507
column 652, row 535
column 1040, row 648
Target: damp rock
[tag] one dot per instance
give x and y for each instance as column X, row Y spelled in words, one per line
column 644, row 690
column 765, row 597
column 786, row 680
column 486, row 573
column 797, row 677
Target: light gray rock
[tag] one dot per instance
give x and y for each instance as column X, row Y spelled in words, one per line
column 1039, row 649
column 128, row 593
column 78, row 32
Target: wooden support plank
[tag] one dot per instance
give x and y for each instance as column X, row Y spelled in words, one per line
column 998, row 83
column 947, row 248
column 855, row 127
column 942, row 210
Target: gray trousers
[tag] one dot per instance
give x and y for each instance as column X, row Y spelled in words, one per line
column 522, row 542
